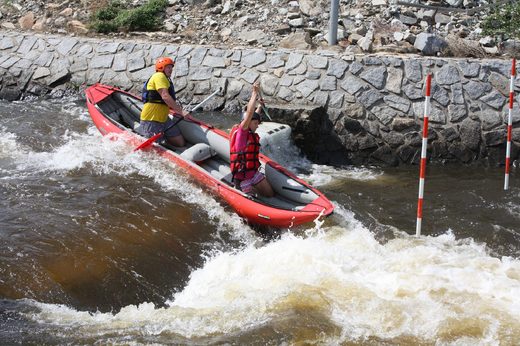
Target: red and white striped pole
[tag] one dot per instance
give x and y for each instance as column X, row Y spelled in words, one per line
column 509, row 124
column 423, row 154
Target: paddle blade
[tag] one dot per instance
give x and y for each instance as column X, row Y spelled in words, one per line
column 149, row 141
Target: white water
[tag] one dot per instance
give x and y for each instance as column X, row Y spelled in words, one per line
column 439, row 290
column 285, row 152
column 112, row 156
column 428, row 288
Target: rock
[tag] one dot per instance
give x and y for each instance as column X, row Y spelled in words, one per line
column 408, row 19
column 10, row 94
column 511, row 47
column 365, row 44
column 375, row 76
column 397, row 102
column 404, row 124
column 39, row 25
column 461, row 152
column 457, row 112
column 299, row 40
column 77, row 27
column 487, row 41
column 470, row 133
column 41, row 72
column 310, row 8
column 409, row 37
column 385, row 155
column 448, row 74
column 282, row 29
column 494, row 99
column 8, row 25
column 454, row 3
column 476, row 89
column 296, row 23
column 429, row 44
column 252, row 36
column 337, row 68
column 354, row 38
column 491, row 50
column 441, row 18
column 26, row 22
column 66, row 12
column 426, row 15
column 226, row 7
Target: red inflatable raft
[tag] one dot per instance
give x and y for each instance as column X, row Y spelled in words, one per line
column 206, row 159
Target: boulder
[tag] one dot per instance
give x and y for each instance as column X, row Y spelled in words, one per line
column 429, row 44
column 77, row 27
column 26, row 22
column 299, row 40
column 10, row 94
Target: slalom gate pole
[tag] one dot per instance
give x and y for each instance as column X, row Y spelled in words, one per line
column 509, row 124
column 422, row 172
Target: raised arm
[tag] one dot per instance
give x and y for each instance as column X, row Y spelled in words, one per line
column 250, row 106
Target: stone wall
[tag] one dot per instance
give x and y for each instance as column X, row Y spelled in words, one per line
column 343, row 108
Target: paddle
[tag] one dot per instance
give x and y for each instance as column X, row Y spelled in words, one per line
column 155, row 137
column 264, row 108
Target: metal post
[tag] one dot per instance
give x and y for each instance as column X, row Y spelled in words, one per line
column 333, row 28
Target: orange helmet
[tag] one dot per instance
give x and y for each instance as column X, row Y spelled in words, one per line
column 161, row 63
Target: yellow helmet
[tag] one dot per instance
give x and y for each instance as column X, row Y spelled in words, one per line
column 161, row 63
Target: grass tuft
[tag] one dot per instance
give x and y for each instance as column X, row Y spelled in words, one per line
column 117, row 17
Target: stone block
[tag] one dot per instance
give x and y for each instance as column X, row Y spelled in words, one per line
column 253, row 58
column 448, row 74
column 107, row 47
column 27, row 45
column 66, row 45
column 375, row 76
column 105, row 61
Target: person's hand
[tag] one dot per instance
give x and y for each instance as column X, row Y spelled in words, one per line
column 256, row 87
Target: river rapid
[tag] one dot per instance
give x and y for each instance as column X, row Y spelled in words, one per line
column 102, row 245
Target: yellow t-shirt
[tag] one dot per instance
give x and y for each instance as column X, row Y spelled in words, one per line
column 156, row 111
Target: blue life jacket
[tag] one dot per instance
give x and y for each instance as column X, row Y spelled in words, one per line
column 153, row 96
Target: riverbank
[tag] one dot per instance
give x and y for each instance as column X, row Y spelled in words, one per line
column 344, row 108
column 452, row 28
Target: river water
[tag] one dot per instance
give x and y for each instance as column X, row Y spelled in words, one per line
column 100, row 245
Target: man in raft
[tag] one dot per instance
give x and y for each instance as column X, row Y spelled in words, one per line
column 245, row 149
column 159, row 98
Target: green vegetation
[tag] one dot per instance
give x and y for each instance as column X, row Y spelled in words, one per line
column 503, row 21
column 115, row 16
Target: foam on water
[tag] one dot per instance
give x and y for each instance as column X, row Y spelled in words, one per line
column 436, row 290
column 323, row 174
column 9, row 146
column 109, row 156
column 284, row 152
column 433, row 289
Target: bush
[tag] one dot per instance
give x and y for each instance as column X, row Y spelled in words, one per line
column 116, row 17
column 503, row 22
